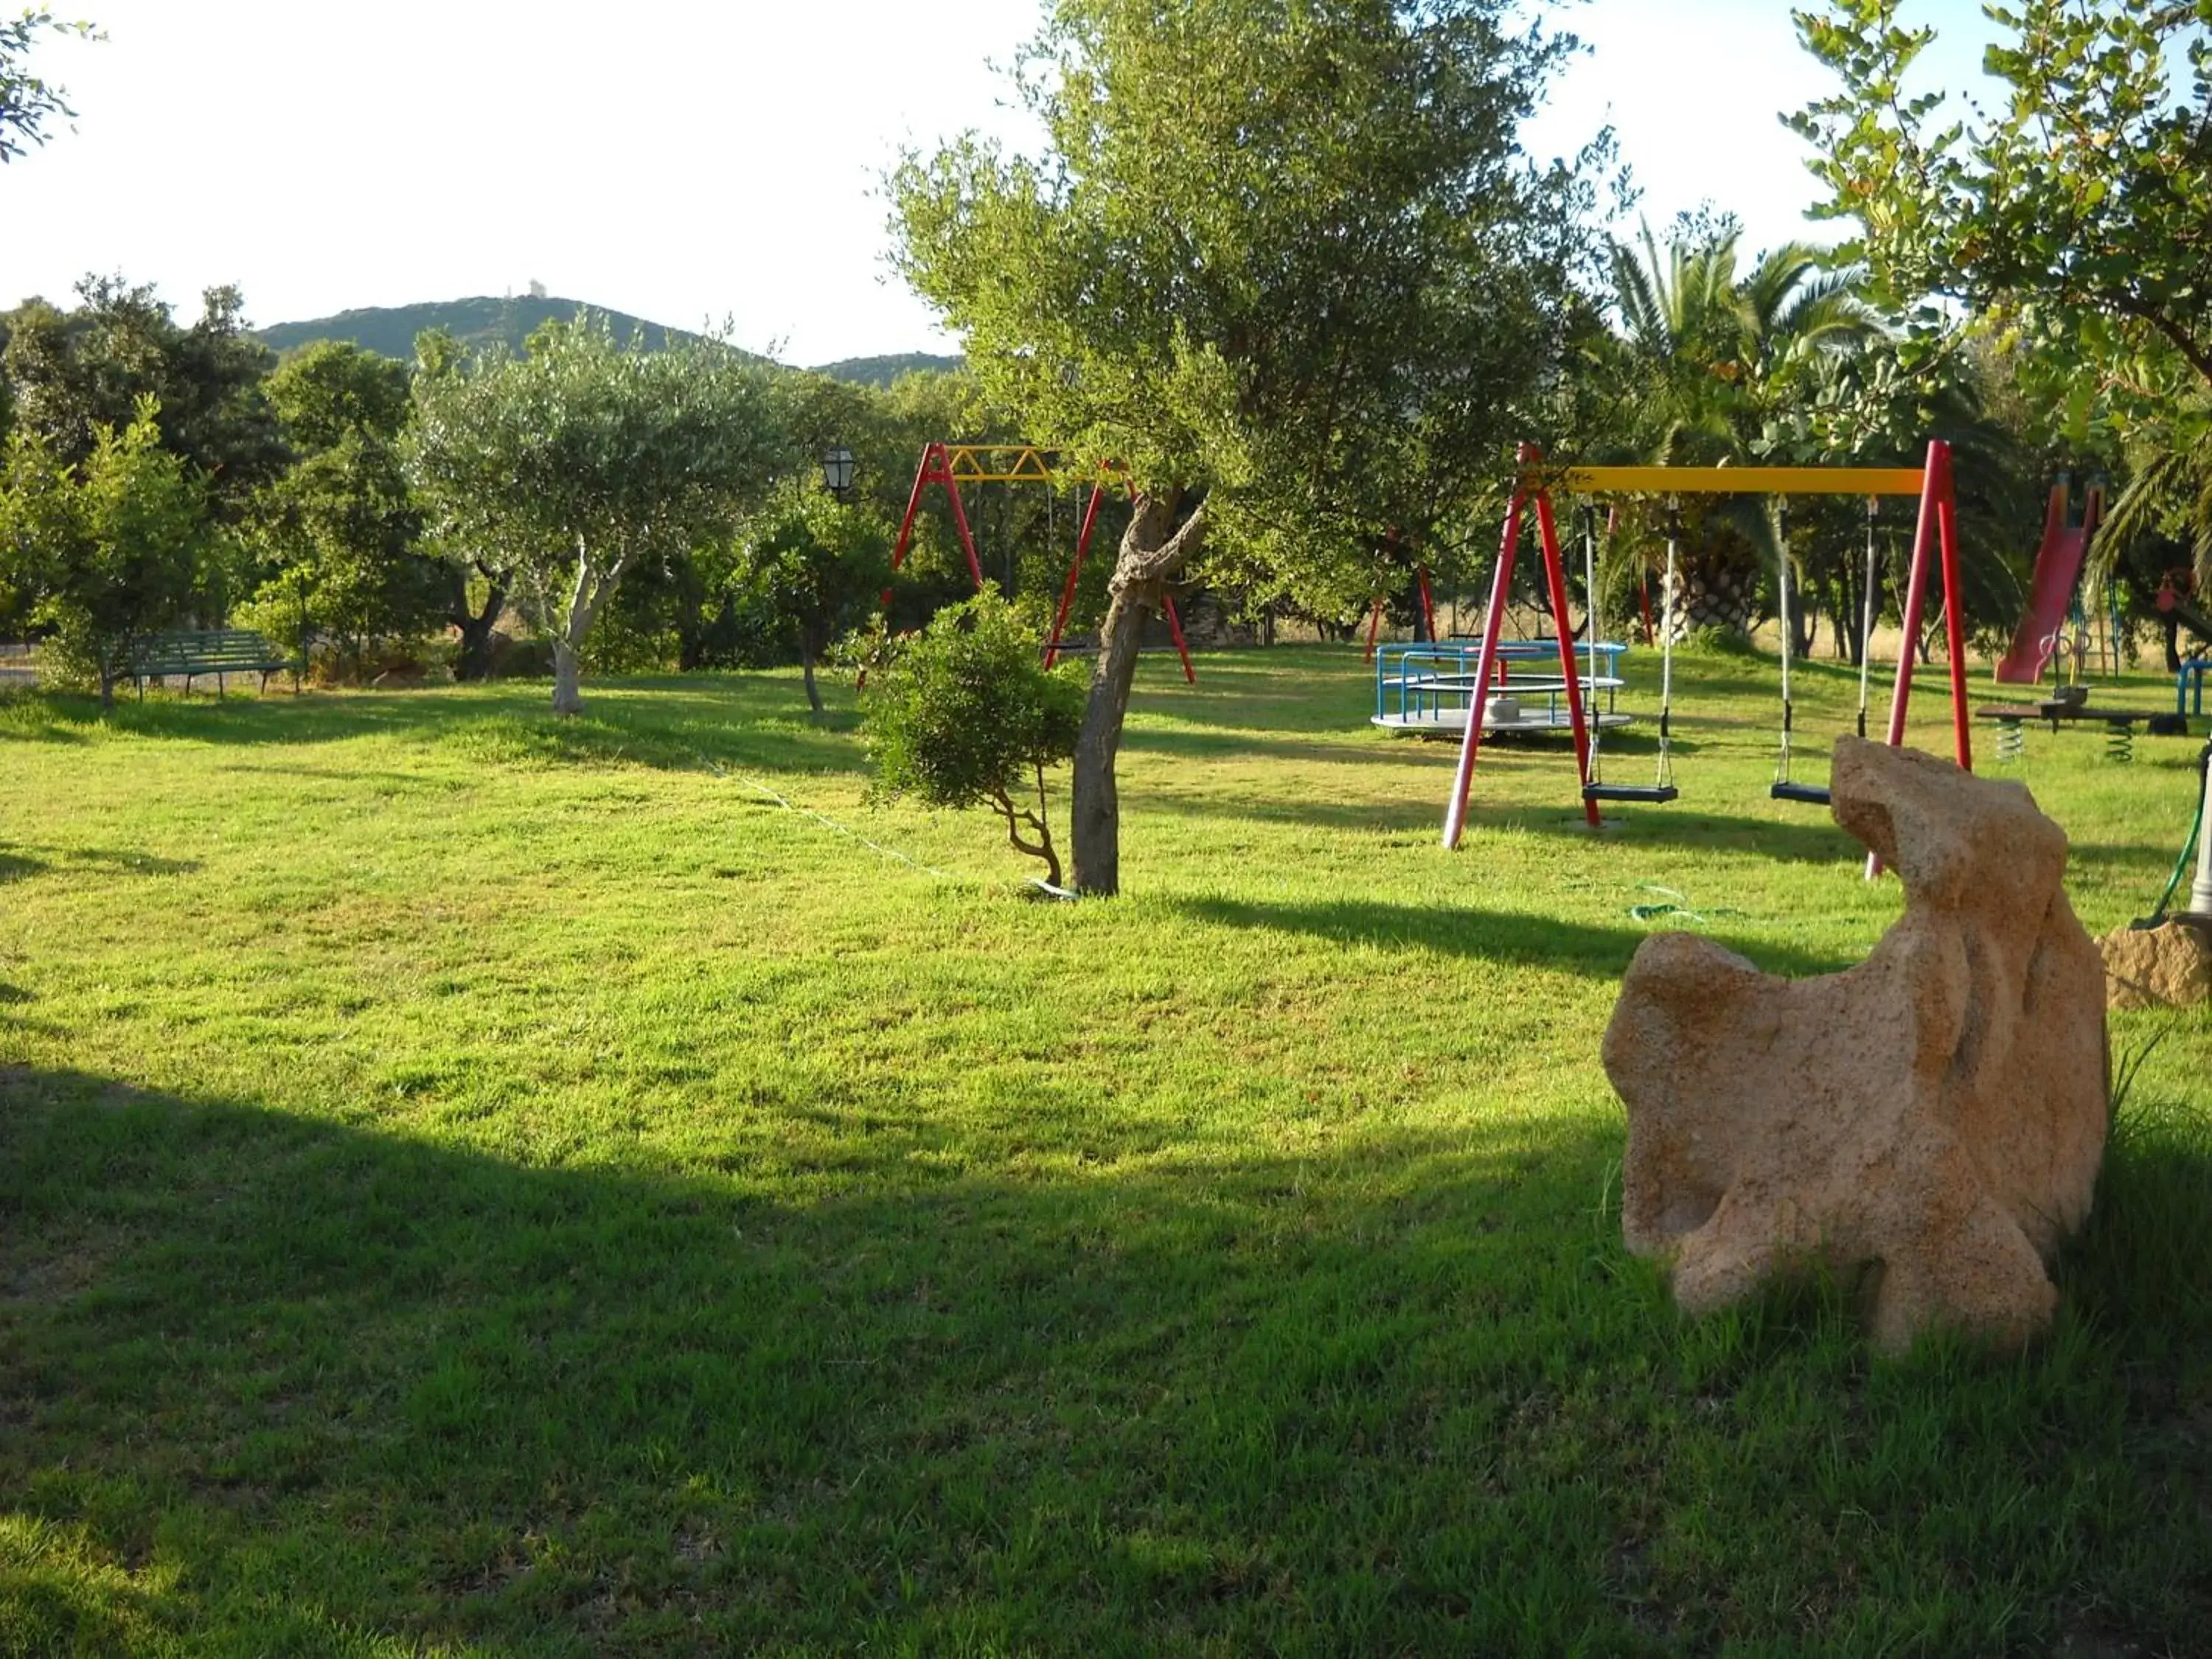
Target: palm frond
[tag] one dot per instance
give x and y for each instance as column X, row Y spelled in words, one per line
column 2171, row 487
column 1781, row 273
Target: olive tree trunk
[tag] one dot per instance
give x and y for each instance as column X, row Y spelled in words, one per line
column 568, row 693
column 813, row 640
column 473, row 661
column 1153, row 551
column 595, row 581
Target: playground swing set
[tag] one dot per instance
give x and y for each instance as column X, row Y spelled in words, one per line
column 951, row 465
column 1936, row 541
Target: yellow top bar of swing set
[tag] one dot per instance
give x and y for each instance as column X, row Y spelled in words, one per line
column 1027, row 464
column 1013, row 463
column 1732, row 480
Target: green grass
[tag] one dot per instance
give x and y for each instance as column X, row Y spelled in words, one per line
column 474, row 1184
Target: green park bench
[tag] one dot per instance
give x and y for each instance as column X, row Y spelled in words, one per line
column 221, row 652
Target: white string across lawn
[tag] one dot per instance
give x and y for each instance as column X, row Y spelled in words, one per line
column 750, row 782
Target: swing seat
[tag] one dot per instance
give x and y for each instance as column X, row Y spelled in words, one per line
column 1807, row 794
column 1645, row 793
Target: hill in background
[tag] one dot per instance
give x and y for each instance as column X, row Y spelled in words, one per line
column 882, row 371
column 390, row 330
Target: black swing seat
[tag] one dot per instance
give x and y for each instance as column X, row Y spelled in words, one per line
column 1648, row 794
column 1809, row 794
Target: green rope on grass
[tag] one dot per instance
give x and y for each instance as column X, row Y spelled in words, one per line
column 1672, row 904
column 2188, row 848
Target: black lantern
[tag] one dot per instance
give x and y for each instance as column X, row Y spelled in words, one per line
column 837, row 470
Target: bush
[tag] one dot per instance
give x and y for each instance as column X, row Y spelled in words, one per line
column 1715, row 640
column 521, row 659
column 963, row 714
column 398, row 661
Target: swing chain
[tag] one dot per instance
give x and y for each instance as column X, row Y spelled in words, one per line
column 1590, row 623
column 1789, row 637
column 1664, row 772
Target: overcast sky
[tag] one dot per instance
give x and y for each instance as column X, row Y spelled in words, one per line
column 692, row 161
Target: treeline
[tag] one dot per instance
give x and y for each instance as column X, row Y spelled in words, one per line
column 575, row 505
column 580, row 507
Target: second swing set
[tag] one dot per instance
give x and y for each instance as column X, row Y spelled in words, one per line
column 1935, row 544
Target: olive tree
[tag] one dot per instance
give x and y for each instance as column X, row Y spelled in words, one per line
column 581, row 457
column 962, row 715
column 1282, row 260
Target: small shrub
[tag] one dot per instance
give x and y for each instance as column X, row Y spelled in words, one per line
column 963, row 714
column 521, row 659
column 1715, row 640
column 386, row 662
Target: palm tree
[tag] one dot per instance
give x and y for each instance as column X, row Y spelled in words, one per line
column 2170, row 489
column 1704, row 361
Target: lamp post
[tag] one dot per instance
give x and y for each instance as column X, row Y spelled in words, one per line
column 837, row 470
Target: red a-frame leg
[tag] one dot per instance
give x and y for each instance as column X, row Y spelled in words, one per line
column 936, row 468
column 1501, row 585
column 1556, row 579
column 1938, row 528
column 1175, row 633
column 1074, row 575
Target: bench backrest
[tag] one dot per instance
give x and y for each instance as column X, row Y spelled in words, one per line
column 209, row 650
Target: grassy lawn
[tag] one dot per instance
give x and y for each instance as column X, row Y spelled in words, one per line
column 471, row 1184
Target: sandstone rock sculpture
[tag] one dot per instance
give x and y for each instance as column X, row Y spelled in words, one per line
column 1935, row 1115
column 2169, row 966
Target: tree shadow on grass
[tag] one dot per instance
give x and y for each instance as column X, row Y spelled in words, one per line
column 18, row 863
column 1239, row 743
column 273, row 1384
column 666, row 725
column 1817, row 840
column 1511, row 936
column 277, row 1384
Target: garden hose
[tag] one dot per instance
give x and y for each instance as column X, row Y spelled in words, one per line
column 2188, row 849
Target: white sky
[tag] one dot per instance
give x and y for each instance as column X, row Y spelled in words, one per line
column 689, row 160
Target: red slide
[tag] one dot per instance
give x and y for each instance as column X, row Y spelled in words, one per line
column 2057, row 569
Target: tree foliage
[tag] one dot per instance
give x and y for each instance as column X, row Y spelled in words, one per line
column 2074, row 219
column 817, row 564
column 581, row 459
column 71, row 373
column 100, row 553
column 28, row 101
column 1787, row 362
column 963, row 714
column 339, row 533
column 1282, row 260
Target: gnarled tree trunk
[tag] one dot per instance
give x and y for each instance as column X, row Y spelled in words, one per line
column 474, row 661
column 1150, row 555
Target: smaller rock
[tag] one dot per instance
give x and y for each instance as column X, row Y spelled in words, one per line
column 2169, row 966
